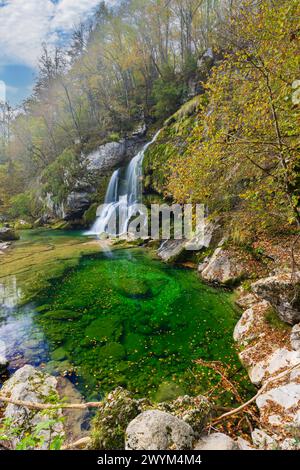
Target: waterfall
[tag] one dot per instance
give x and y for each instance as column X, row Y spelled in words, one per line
column 123, row 193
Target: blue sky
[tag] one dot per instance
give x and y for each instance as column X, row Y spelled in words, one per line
column 24, row 26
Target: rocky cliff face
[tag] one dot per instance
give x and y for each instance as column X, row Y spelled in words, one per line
column 90, row 185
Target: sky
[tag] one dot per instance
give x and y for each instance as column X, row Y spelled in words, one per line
column 24, row 26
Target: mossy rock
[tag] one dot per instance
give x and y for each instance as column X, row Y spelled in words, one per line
column 43, row 308
column 133, row 287
column 112, row 352
column 59, row 354
column 90, row 215
column 104, row 329
column 62, row 315
column 111, row 421
column 134, row 343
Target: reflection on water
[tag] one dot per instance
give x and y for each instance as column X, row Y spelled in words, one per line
column 21, row 339
column 10, row 293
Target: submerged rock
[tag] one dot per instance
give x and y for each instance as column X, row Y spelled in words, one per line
column 283, row 292
column 157, row 430
column 216, row 441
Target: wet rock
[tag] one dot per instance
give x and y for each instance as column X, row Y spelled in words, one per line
column 283, row 292
column 3, row 247
column 157, row 430
column 216, row 441
column 8, row 234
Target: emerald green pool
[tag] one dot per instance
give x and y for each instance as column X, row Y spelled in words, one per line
column 126, row 319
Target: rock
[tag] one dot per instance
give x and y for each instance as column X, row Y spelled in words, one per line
column 279, row 406
column 157, row 430
column 110, row 422
column 246, row 300
column 283, row 293
column 8, row 234
column 223, row 268
column 91, row 180
column 242, row 444
column 170, row 250
column 246, row 328
column 3, row 247
column 295, row 337
column 76, row 205
column 216, row 441
column 263, row 441
column 281, row 358
column 195, row 411
column 28, row 384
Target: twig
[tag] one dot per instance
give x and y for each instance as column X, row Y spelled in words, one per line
column 263, row 388
column 48, row 406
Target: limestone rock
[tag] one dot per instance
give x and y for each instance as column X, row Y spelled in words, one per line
column 30, row 385
column 283, row 292
column 246, row 328
column 216, row 441
column 280, row 359
column 170, row 250
column 157, row 430
column 262, row 440
column 110, row 422
column 195, row 411
column 222, row 268
column 295, row 337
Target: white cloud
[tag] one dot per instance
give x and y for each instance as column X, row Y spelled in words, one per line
column 26, row 24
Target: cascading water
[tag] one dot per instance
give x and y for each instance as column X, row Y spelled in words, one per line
column 123, row 194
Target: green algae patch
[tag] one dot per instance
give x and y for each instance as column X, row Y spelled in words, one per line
column 118, row 319
column 103, row 329
column 140, row 324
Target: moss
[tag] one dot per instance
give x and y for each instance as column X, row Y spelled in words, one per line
column 104, row 329
column 168, row 391
column 62, row 315
column 272, row 318
column 112, row 352
column 90, row 215
column 59, row 354
column 111, row 421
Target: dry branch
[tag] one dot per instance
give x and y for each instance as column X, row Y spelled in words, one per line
column 261, row 390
